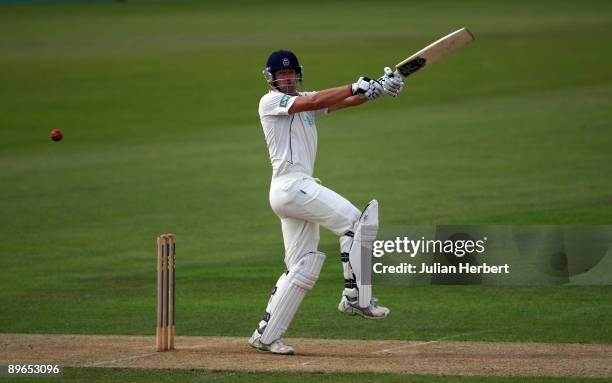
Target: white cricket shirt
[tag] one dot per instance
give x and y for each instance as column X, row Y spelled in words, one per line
column 291, row 139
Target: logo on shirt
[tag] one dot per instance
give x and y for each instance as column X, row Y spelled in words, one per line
column 309, row 119
column 284, row 101
column 286, row 62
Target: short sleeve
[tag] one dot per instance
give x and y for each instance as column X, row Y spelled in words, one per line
column 320, row 112
column 275, row 104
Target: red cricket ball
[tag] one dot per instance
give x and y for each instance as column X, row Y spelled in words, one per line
column 56, row 135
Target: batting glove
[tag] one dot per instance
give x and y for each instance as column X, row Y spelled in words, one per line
column 392, row 82
column 367, row 87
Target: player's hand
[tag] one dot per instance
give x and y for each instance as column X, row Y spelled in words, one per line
column 392, row 82
column 367, row 87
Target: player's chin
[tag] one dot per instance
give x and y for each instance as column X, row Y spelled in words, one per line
column 291, row 90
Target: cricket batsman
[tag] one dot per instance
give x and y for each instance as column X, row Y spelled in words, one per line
column 303, row 204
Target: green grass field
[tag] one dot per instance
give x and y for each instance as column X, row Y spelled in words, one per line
column 96, row 375
column 158, row 100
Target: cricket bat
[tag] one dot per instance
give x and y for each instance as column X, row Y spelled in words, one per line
column 435, row 51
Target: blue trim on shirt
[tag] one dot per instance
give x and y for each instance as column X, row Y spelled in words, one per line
column 290, row 148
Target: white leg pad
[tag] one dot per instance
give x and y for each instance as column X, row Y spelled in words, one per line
column 360, row 254
column 350, row 287
column 288, row 296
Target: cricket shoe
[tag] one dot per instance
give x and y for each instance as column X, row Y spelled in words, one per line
column 350, row 306
column 276, row 347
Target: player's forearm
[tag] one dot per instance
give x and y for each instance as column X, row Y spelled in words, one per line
column 321, row 100
column 329, row 97
column 347, row 103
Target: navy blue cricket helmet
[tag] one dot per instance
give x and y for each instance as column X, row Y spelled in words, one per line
column 282, row 60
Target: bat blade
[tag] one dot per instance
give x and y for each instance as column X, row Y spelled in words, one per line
column 435, row 51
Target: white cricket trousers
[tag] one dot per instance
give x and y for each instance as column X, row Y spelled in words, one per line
column 302, row 205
